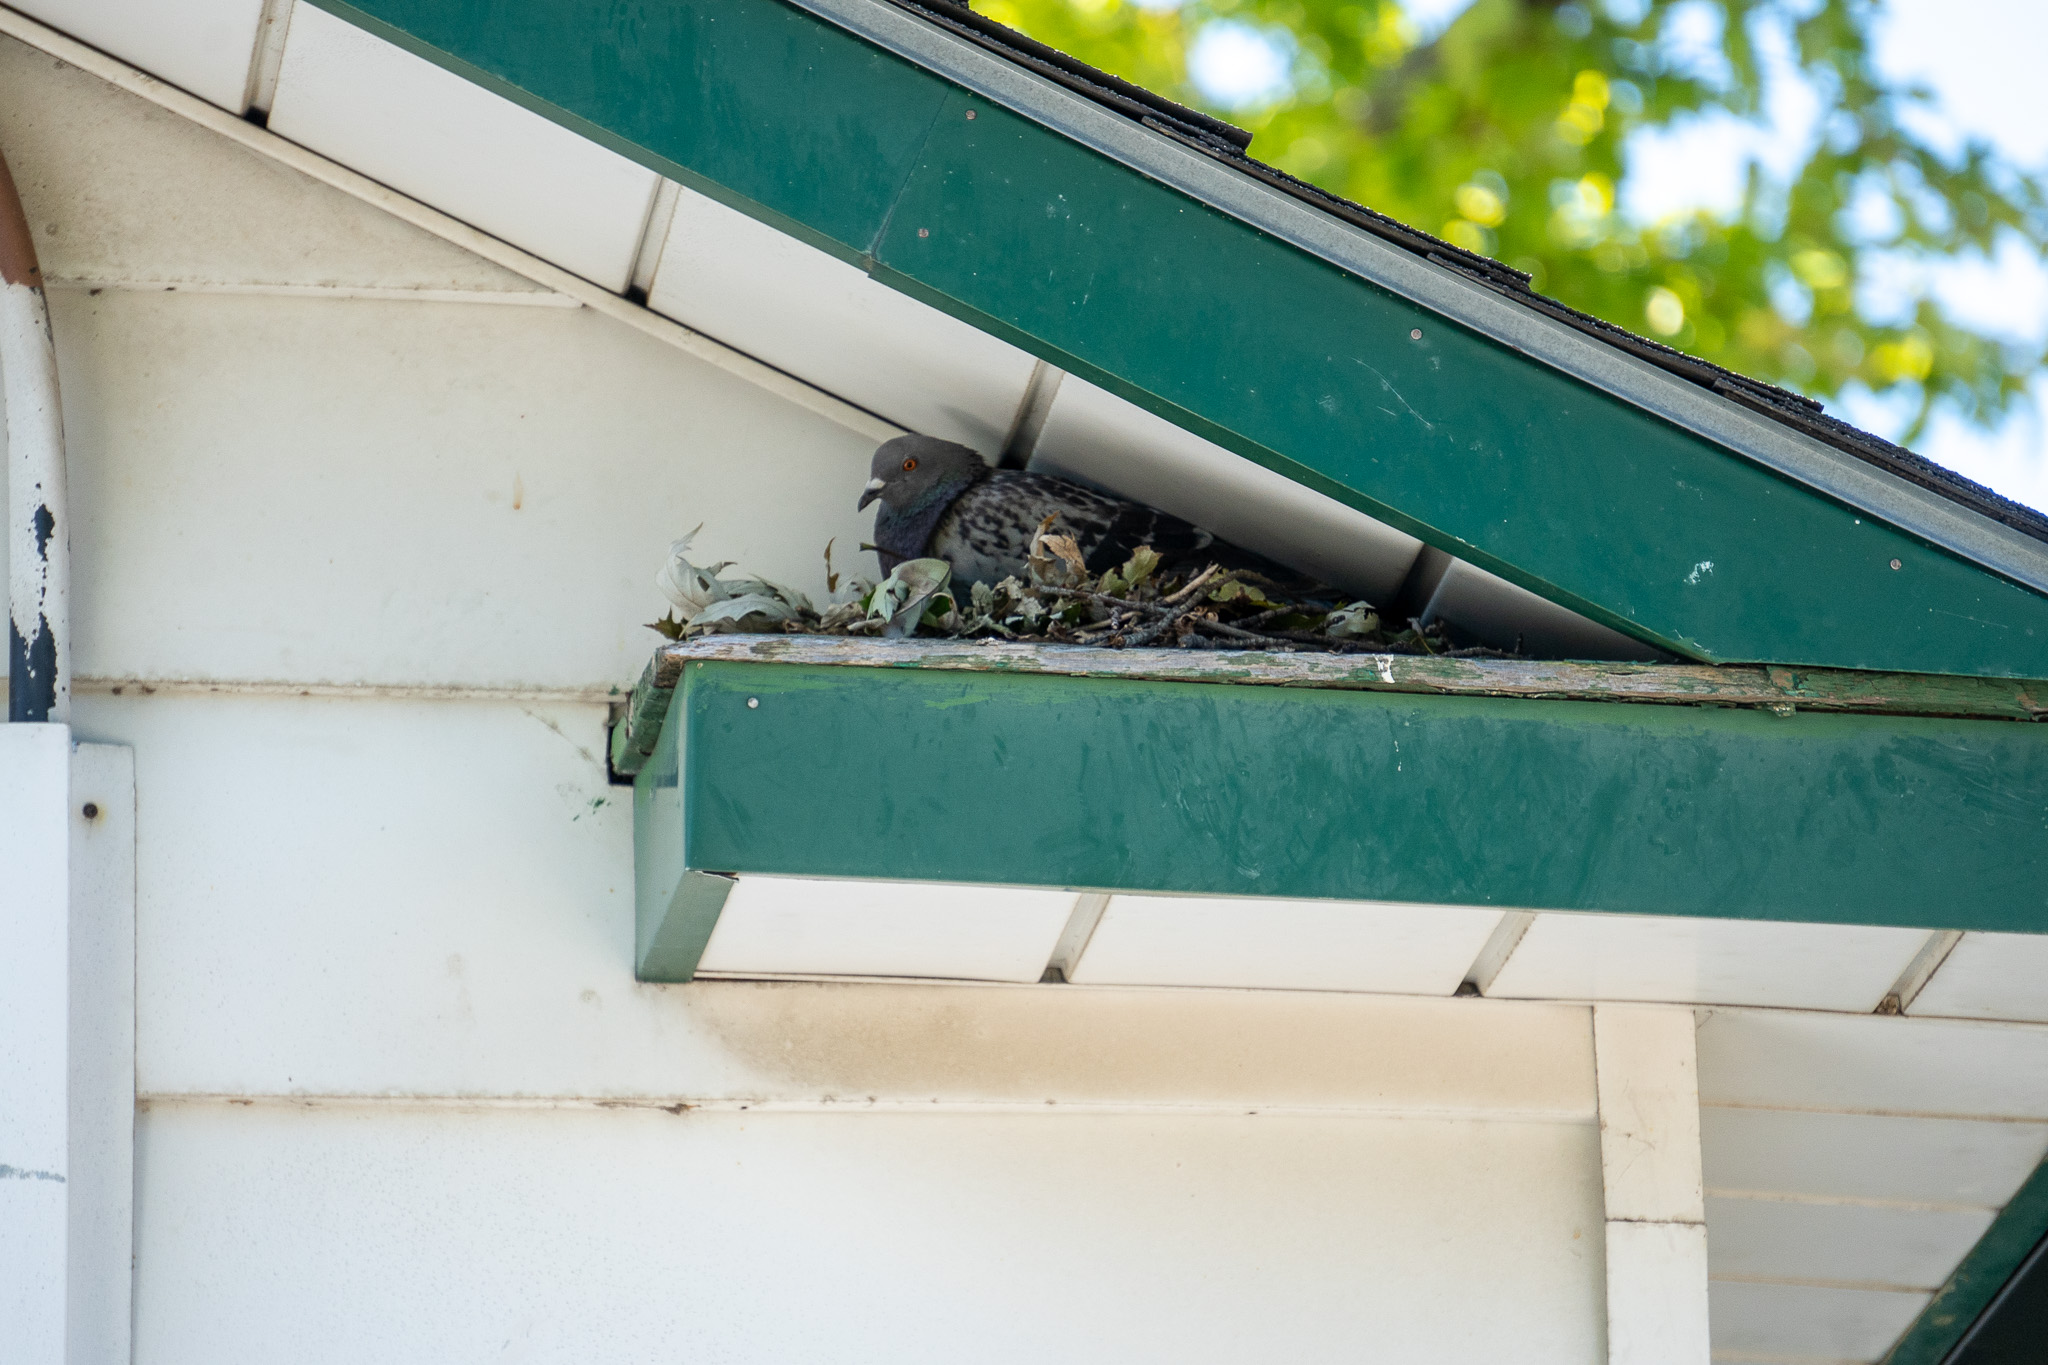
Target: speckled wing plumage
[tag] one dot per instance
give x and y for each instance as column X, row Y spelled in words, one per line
column 986, row 533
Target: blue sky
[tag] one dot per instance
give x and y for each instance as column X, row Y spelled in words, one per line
column 1982, row 58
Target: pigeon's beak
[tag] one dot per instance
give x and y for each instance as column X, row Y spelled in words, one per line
column 874, row 490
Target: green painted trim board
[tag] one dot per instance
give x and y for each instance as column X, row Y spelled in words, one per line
column 1039, row 780
column 2017, row 1230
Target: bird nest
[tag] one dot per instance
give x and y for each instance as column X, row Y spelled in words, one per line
column 1138, row 603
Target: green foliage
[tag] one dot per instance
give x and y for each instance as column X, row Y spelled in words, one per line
column 1506, row 133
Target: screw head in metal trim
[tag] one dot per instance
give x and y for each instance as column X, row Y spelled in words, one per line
column 1415, row 335
column 90, row 810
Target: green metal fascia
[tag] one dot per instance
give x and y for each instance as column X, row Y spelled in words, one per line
column 1956, row 1306
column 1025, row 779
column 1243, row 338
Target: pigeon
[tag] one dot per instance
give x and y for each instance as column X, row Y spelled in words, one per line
column 940, row 500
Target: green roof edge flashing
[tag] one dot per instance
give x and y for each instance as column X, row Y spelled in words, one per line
column 1977, row 1280
column 1562, row 464
column 1044, row 779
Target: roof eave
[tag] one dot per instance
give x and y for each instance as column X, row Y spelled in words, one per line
column 1740, row 429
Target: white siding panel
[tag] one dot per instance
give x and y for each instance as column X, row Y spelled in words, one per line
column 1853, row 1243
column 421, row 494
column 121, row 191
column 377, row 1233
column 1101, row 439
column 823, row 320
column 1783, row 1322
column 434, row 898
column 203, row 46
column 1705, row 961
column 863, row 928
column 1890, row 1064
column 353, row 894
column 1285, row 944
column 1869, row 1156
column 429, row 133
column 1991, row 976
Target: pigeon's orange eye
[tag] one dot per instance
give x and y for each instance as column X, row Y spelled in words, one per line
column 910, row 464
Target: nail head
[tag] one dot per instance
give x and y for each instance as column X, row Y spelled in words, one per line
column 1897, row 565
column 90, row 810
column 924, row 232
column 1415, row 335
column 753, row 703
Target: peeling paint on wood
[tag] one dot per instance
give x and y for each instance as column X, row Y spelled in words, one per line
column 1776, row 689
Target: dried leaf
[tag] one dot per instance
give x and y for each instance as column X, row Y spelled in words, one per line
column 902, row 597
column 762, row 587
column 840, row 615
column 748, row 613
column 1055, row 560
column 691, row 587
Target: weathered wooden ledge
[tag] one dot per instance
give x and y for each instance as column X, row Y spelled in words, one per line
column 1773, row 688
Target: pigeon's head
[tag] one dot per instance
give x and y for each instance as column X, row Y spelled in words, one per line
column 910, row 471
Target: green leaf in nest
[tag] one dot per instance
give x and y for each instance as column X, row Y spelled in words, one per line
column 1231, row 590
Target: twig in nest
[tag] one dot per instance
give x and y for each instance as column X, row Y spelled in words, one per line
column 1172, row 619
column 1199, row 579
column 1106, row 601
column 1340, row 646
column 1230, row 632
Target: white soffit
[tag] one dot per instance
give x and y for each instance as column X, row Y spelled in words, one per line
column 1872, row 1062
column 1991, row 976
column 1791, row 1324
column 125, row 194
column 428, row 133
column 1504, row 616
column 1867, row 1244
column 825, row 321
column 1890, row 1157
column 1705, row 961
column 1285, row 944
column 1100, row 439
column 203, row 46
column 801, row 926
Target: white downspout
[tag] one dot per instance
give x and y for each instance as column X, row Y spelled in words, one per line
column 38, row 521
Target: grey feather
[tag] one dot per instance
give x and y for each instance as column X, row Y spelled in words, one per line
column 940, row 499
